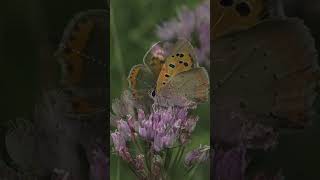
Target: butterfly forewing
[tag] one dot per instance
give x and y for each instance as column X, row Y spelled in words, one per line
column 180, row 58
column 83, row 49
column 231, row 16
column 83, row 54
column 269, row 76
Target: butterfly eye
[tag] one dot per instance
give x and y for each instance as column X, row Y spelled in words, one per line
column 226, row 3
column 153, row 93
column 243, row 9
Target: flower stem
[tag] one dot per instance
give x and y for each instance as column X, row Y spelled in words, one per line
column 118, row 169
column 181, row 154
column 117, row 46
column 175, row 158
column 167, row 159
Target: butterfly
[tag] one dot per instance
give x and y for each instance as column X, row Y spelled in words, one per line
column 267, row 74
column 169, row 75
column 54, row 136
column 230, row 16
column 83, row 54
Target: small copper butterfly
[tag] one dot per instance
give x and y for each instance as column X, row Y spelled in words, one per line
column 234, row 15
column 170, row 75
column 264, row 74
column 83, row 55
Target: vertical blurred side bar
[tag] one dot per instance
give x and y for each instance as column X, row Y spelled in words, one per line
column 108, row 89
column 211, row 93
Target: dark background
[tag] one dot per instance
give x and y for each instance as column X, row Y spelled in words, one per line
column 298, row 153
column 30, row 32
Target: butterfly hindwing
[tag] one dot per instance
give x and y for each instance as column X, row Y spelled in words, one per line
column 141, row 81
column 83, row 54
column 189, row 87
column 270, row 76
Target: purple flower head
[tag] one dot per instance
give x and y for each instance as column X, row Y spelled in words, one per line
column 124, row 129
column 122, row 108
column 118, row 141
column 229, row 164
column 193, row 25
column 256, row 135
column 120, row 146
column 187, row 22
column 197, row 155
column 164, row 126
column 156, row 165
column 158, row 52
column 139, row 162
column 98, row 163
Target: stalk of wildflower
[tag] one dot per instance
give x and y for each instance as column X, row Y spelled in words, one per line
column 196, row 156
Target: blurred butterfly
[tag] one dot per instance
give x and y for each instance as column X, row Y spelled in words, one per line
column 266, row 73
column 234, row 15
column 83, row 54
column 170, row 75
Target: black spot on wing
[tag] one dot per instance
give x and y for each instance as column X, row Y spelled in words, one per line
column 243, row 9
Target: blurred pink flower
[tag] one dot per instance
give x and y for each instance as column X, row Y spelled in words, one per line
column 197, row 155
column 163, row 127
column 193, row 25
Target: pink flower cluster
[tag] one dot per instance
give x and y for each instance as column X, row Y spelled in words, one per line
column 193, row 25
column 164, row 127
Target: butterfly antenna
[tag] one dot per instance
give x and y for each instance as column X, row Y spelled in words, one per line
column 218, row 21
column 234, row 69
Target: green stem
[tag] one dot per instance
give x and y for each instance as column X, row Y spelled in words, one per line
column 117, row 46
column 118, row 169
column 167, row 159
column 175, row 158
column 192, row 170
column 147, row 158
column 181, row 154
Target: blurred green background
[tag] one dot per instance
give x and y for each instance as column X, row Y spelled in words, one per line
column 133, row 25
